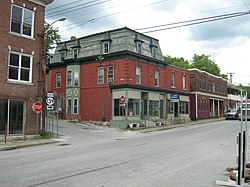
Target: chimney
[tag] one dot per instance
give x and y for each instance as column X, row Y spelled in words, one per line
column 72, row 38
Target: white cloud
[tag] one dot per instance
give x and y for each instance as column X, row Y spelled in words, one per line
column 227, row 41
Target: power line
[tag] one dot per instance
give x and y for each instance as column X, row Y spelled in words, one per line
column 63, row 5
column 75, row 8
column 195, row 22
column 105, row 16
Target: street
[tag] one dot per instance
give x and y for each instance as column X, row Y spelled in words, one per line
column 193, row 156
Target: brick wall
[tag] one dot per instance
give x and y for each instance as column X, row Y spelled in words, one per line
column 14, row 42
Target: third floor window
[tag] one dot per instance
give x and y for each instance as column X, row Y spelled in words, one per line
column 22, row 21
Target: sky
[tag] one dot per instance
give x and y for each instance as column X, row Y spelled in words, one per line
column 226, row 41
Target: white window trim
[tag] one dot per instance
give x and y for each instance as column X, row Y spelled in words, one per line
column 98, row 75
column 21, row 31
column 157, row 78
column 173, row 80
column 77, row 106
column 19, row 68
column 57, row 80
column 138, row 68
column 103, row 47
column 184, row 85
column 108, row 79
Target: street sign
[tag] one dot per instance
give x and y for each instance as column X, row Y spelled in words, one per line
column 122, row 101
column 50, row 101
column 37, row 107
column 174, row 98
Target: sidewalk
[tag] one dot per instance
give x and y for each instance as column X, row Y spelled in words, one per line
column 17, row 142
column 166, row 127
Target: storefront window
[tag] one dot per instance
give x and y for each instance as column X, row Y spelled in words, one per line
column 14, row 111
column 153, row 108
column 133, row 107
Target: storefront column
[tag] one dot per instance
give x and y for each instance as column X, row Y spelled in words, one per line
column 213, row 112
column 218, row 108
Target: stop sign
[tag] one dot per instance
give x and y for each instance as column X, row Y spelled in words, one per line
column 37, row 107
column 122, row 101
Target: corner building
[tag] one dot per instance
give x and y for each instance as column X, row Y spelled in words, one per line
column 90, row 75
column 21, row 48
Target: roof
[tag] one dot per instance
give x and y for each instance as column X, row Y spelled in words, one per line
column 42, row 2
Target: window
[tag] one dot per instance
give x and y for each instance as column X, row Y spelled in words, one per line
column 14, row 111
column 184, row 83
column 63, row 56
column 133, row 107
column 22, row 21
column 213, row 87
column 100, row 78
column 172, row 80
column 75, row 106
column 139, row 47
column 183, row 107
column 110, row 74
column 76, row 78
column 157, row 78
column 69, row 105
column 58, row 80
column 69, row 78
column 20, row 67
column 138, row 75
column 153, row 108
column 153, row 51
column 200, row 84
column 106, row 47
column 118, row 110
column 75, row 53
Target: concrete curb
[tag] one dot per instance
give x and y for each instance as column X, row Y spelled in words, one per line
column 11, row 146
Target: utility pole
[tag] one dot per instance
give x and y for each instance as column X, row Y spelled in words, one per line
column 231, row 76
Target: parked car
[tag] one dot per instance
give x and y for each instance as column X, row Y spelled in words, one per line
column 232, row 114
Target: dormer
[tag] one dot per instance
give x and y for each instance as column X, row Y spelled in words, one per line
column 153, row 47
column 106, row 43
column 76, row 48
column 138, row 43
column 63, row 52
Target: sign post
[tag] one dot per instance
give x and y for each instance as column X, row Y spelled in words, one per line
column 37, row 107
column 174, row 98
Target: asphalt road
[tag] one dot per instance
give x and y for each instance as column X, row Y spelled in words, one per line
column 192, row 156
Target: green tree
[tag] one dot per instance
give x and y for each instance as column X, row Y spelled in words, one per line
column 179, row 62
column 246, row 88
column 52, row 36
column 204, row 63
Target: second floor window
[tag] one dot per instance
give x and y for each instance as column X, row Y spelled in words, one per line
column 76, row 78
column 157, row 78
column 110, row 74
column 58, row 80
column 184, row 83
column 22, row 21
column 138, row 75
column 172, row 80
column 69, row 78
column 100, row 78
column 20, row 67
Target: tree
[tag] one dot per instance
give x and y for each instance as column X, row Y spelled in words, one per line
column 179, row 62
column 204, row 63
column 52, row 37
column 246, row 88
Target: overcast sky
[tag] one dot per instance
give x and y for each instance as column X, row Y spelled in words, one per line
column 227, row 41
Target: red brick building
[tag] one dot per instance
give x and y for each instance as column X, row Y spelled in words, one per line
column 21, row 35
column 90, row 74
column 208, row 95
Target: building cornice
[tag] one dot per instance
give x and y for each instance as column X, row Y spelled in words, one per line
column 146, row 88
column 41, row 2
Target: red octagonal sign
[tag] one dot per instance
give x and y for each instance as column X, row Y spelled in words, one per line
column 37, row 107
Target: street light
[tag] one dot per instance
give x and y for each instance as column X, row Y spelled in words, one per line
column 44, row 72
